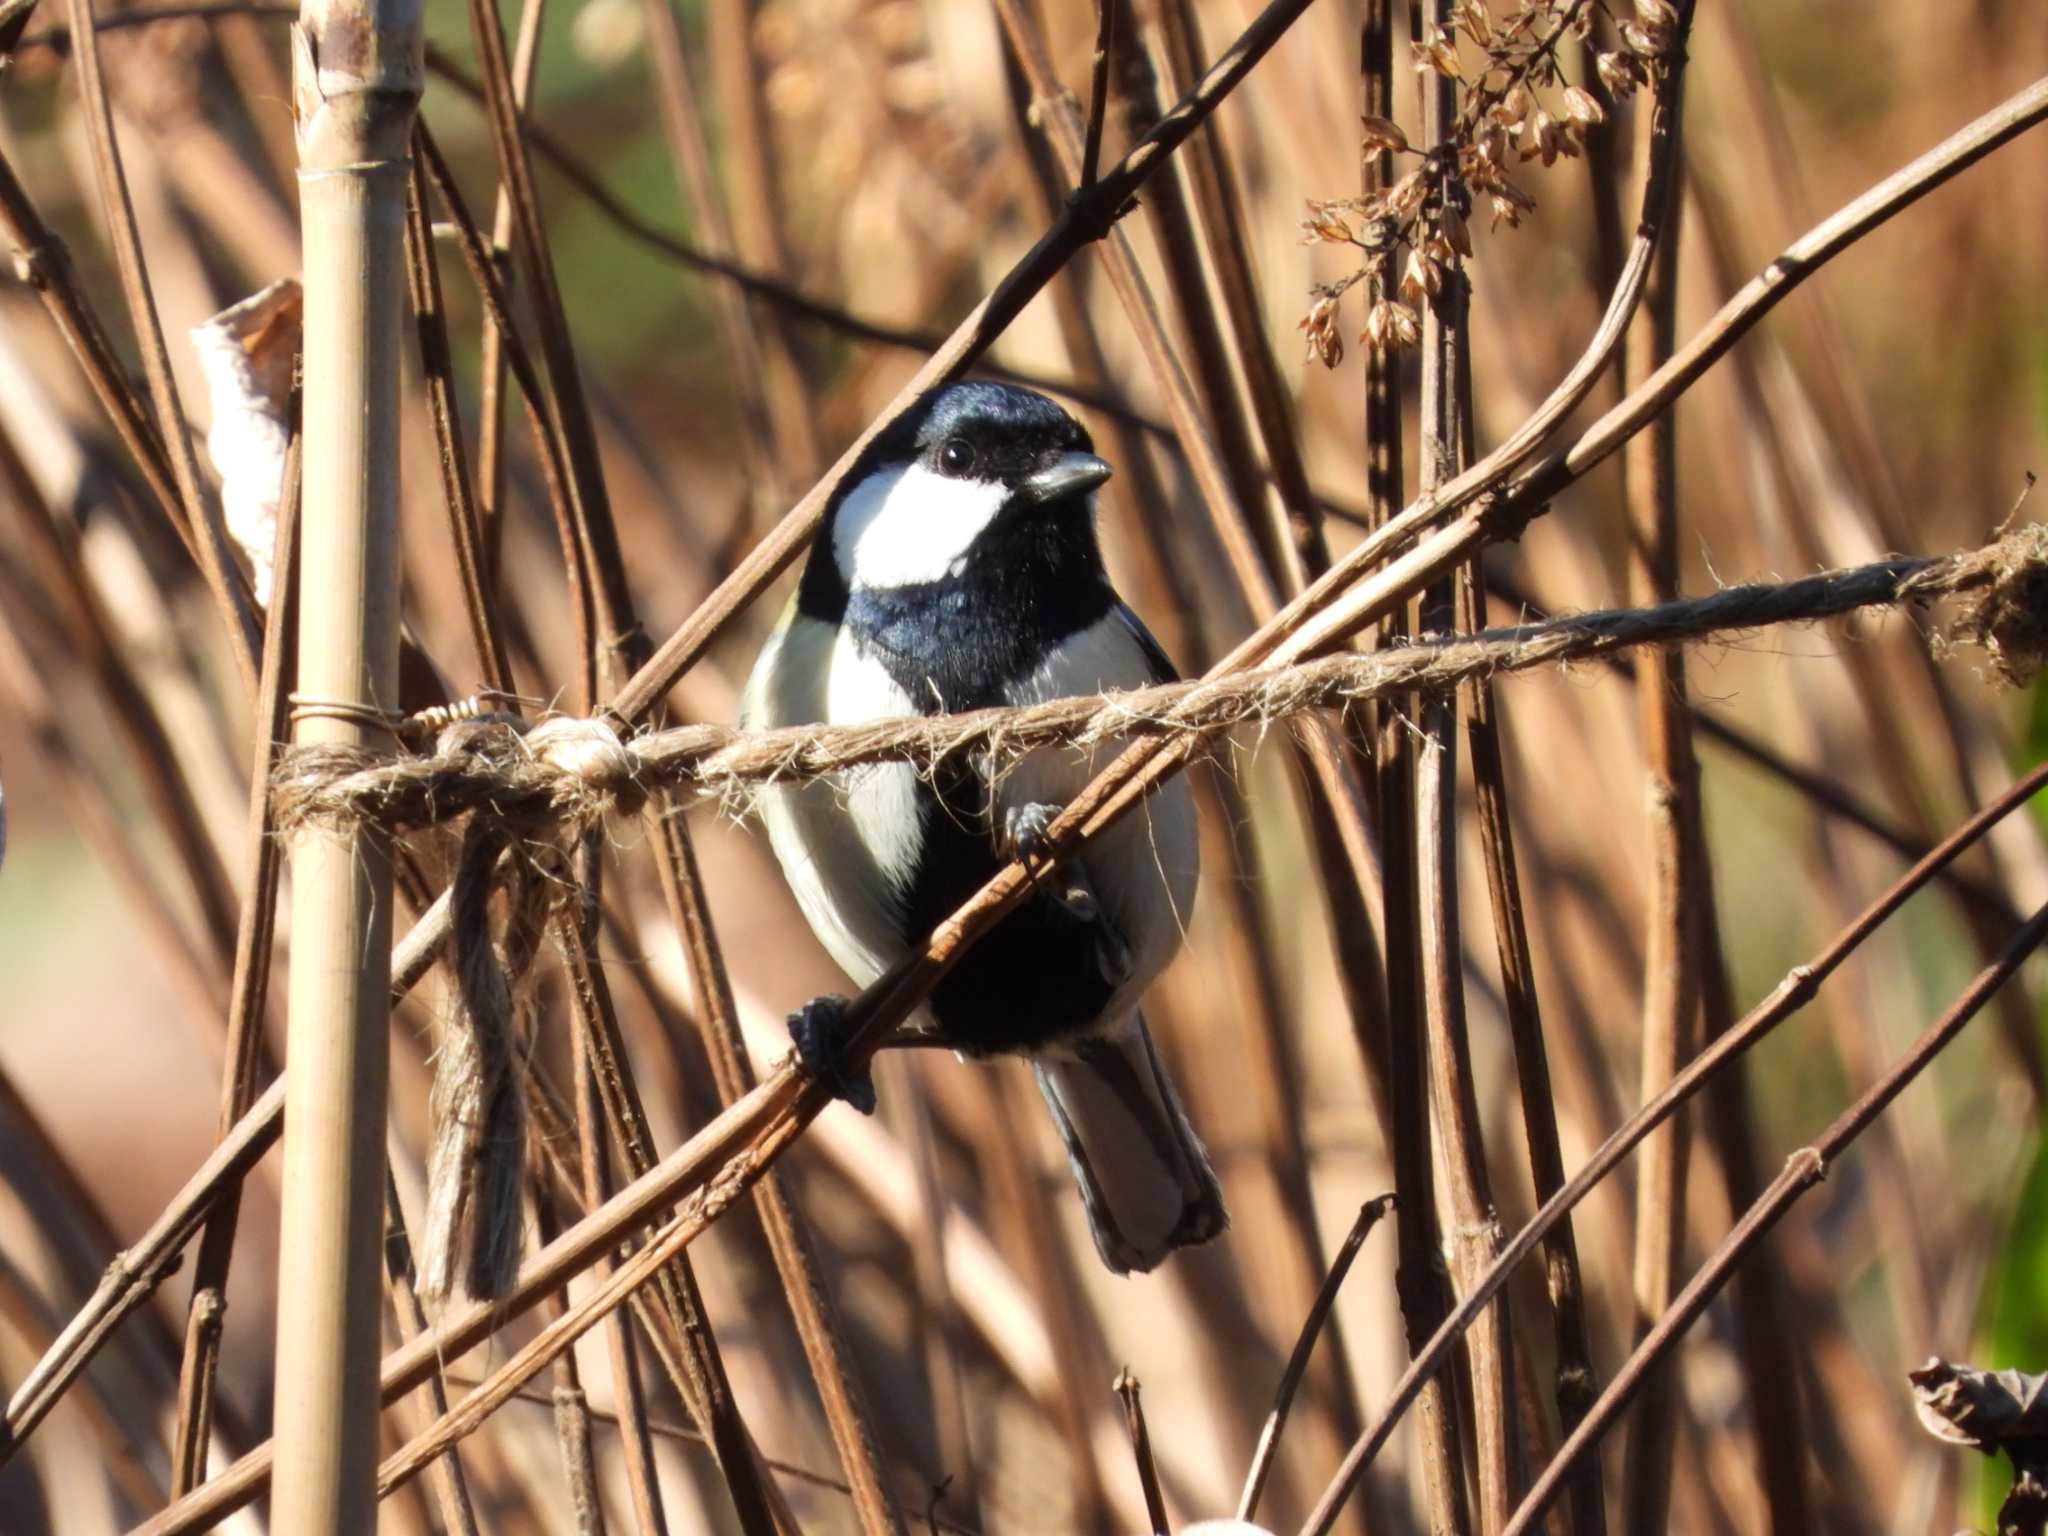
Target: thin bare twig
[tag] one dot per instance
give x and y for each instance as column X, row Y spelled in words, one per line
column 1369, row 1216
column 1787, row 998
column 202, row 512
column 1574, row 1381
column 1098, row 90
column 1803, row 1170
column 249, row 991
column 458, row 494
column 1126, row 1389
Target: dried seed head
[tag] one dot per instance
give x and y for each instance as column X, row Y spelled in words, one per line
column 1477, row 21
column 1405, row 200
column 1325, row 224
column 1421, row 279
column 1389, row 327
column 1325, row 344
column 1455, row 233
column 1618, row 72
column 1581, row 107
column 1382, row 134
column 1644, row 42
column 1439, row 52
column 1509, row 204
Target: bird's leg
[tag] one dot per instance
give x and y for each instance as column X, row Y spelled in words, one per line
column 818, row 1031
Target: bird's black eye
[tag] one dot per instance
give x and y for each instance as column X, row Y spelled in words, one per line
column 956, row 456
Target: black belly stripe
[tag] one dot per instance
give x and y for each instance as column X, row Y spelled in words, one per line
column 1034, row 977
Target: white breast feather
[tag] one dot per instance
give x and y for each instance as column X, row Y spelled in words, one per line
column 846, row 843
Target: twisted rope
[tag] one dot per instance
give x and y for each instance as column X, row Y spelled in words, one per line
column 574, row 772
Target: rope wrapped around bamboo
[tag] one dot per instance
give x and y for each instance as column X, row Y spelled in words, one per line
column 574, row 772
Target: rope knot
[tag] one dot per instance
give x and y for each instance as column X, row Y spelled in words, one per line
column 590, row 752
column 2009, row 618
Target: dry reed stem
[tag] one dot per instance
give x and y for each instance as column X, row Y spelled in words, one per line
column 1804, row 1168
column 1574, row 1379
column 193, row 974
column 458, row 493
column 1126, row 1388
column 115, row 1433
column 582, row 772
column 549, row 453
column 769, row 473
column 564, row 408
column 749, row 281
column 1768, row 1333
column 202, row 512
column 451, row 1484
column 841, row 1392
column 1369, row 1216
column 248, row 994
column 45, row 265
column 1421, row 1292
column 621, row 643
column 90, row 638
column 1792, row 993
column 1086, row 217
column 598, row 545
column 1219, row 204
column 260, row 1125
column 753, row 195
column 722, row 1158
column 1679, row 879
column 607, row 1086
column 495, row 339
column 61, row 1197
column 134, row 1273
column 1444, row 446
column 1825, row 795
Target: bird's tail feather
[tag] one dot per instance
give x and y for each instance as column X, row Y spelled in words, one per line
column 1145, row 1180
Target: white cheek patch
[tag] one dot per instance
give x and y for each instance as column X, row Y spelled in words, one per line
column 902, row 527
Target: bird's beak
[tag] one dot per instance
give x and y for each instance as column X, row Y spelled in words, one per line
column 1070, row 474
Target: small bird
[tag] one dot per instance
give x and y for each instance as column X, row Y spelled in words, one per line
column 958, row 568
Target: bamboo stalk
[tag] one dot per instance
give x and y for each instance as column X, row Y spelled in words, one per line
column 357, row 71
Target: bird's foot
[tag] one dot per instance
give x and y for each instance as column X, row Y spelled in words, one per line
column 1025, row 826
column 1024, row 829
column 818, row 1031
